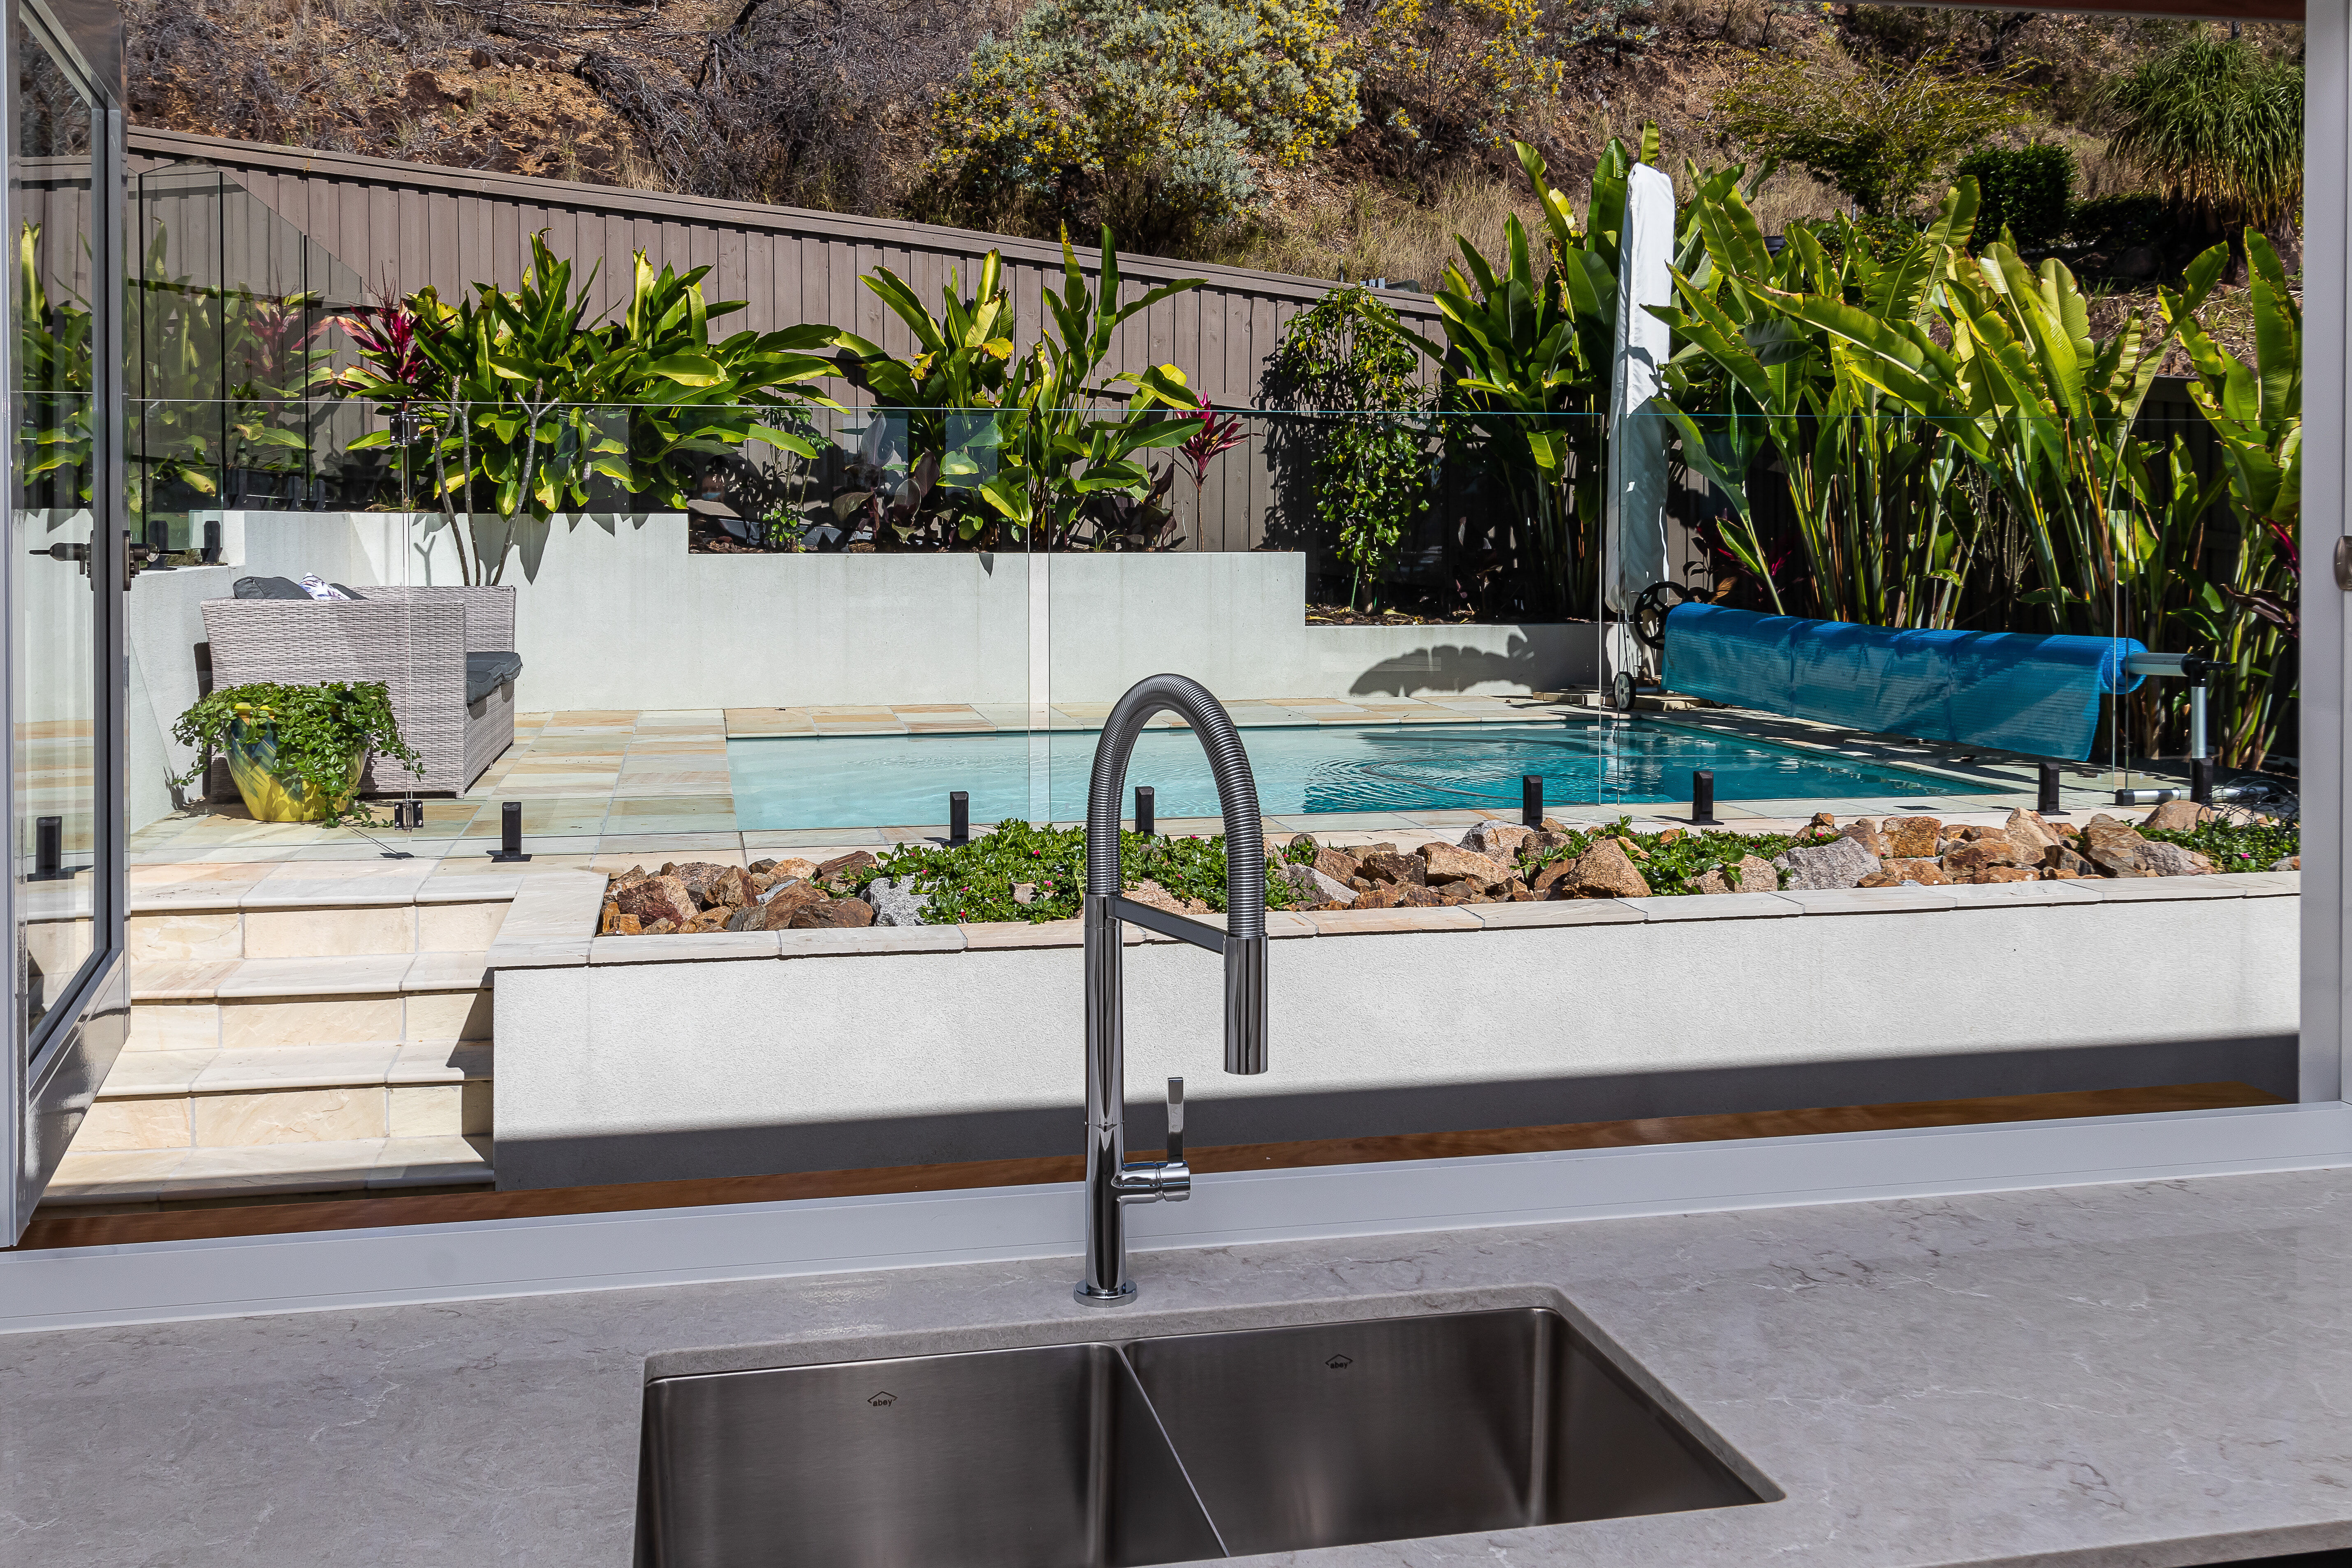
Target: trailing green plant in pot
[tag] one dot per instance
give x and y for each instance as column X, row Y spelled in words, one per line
column 295, row 751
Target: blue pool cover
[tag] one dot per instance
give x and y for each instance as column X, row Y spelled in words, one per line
column 2039, row 695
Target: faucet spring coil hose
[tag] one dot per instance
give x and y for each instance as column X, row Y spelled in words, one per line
column 1236, row 793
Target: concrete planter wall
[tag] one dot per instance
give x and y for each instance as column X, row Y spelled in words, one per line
column 643, row 1058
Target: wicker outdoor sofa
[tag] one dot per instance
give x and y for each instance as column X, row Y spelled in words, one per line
column 447, row 654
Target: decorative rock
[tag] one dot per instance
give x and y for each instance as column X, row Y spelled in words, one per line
column 1444, row 864
column 732, row 888
column 633, row 874
column 748, row 918
column 1999, row 874
column 1387, row 865
column 1840, row 863
column 2179, row 817
column 2288, row 863
column 656, row 898
column 1304, row 841
column 844, row 865
column 659, row 928
column 758, row 867
column 787, row 900
column 1980, row 854
column 896, row 902
column 711, row 920
column 1670, row 836
column 2027, row 830
column 1749, row 874
column 698, row 876
column 1823, row 819
column 1496, row 840
column 1910, row 838
column 1515, row 892
column 2063, row 862
column 2115, row 849
column 1865, row 832
column 2173, row 860
column 1338, row 864
column 1151, row 892
column 791, row 867
column 1603, row 871
column 627, row 925
column 1316, row 888
column 1025, row 892
column 606, row 917
column 833, row 914
column 1920, row 872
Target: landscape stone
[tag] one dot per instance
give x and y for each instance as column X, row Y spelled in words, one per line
column 659, row 928
column 1749, row 874
column 791, row 867
column 1979, row 854
column 1998, row 874
column 786, row 899
column 1304, row 841
column 1926, row 873
column 1840, row 863
column 1496, row 840
column 748, row 918
column 656, row 898
column 698, row 876
column 2174, row 861
column 1445, row 864
column 1865, row 832
column 757, row 866
column 627, row 925
column 2060, row 861
column 1025, row 892
column 1603, row 871
column 606, row 916
column 1910, row 838
column 1387, row 865
column 1338, row 864
column 2178, row 817
column 1823, row 819
column 844, row 865
column 2288, row 863
column 833, row 914
column 2027, row 830
column 896, row 902
column 732, row 888
column 2115, row 849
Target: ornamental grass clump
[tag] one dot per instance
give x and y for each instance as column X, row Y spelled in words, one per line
column 322, row 734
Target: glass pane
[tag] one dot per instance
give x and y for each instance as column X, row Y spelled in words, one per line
column 53, row 750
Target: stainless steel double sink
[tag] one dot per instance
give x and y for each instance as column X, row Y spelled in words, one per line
column 1164, row 1450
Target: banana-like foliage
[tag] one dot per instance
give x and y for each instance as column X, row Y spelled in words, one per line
column 530, row 403
column 2247, row 611
column 1885, row 534
column 933, row 431
column 1058, row 449
column 2023, row 389
column 1525, row 362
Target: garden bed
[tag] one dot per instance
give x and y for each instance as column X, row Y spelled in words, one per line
column 1023, row 873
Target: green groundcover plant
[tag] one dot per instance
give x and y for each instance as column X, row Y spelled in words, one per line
column 319, row 732
column 2233, row 846
column 975, row 882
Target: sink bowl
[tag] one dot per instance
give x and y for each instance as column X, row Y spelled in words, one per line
column 1164, row 1450
column 1033, row 1458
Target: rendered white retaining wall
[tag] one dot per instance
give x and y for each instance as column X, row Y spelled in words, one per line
column 616, row 1066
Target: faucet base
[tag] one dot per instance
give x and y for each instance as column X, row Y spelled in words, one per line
column 1088, row 1296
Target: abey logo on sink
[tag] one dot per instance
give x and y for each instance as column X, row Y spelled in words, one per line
column 883, row 1398
column 1339, row 1363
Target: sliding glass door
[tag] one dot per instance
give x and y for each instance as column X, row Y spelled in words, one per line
column 63, row 577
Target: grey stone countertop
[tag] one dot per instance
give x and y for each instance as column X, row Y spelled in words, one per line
column 2126, row 1377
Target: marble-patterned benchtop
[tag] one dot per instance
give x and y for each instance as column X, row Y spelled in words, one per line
column 552, row 920
column 2127, row 1375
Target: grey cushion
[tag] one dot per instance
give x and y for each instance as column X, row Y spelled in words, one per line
column 486, row 672
column 280, row 588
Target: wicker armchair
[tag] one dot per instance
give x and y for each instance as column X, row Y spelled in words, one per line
column 417, row 641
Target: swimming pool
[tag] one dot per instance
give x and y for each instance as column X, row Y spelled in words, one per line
column 894, row 780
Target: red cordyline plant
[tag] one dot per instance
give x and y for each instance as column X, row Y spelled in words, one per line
column 1218, row 433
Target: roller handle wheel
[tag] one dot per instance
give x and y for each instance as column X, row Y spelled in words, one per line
column 1650, row 613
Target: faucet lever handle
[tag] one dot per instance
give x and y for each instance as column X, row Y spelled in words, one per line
column 1175, row 1121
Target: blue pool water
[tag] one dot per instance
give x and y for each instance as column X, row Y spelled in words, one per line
column 887, row 779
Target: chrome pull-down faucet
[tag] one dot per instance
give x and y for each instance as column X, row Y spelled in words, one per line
column 1111, row 1181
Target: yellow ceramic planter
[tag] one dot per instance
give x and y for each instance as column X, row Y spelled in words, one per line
column 253, row 764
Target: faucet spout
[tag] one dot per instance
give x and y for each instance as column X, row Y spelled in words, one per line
column 1111, row 1181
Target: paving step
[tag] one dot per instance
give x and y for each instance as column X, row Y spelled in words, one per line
column 140, row 1177
column 290, row 1094
column 244, row 1003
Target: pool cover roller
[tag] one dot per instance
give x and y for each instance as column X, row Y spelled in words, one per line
column 2039, row 695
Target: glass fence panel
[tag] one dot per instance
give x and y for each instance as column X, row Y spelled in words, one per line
column 865, row 656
